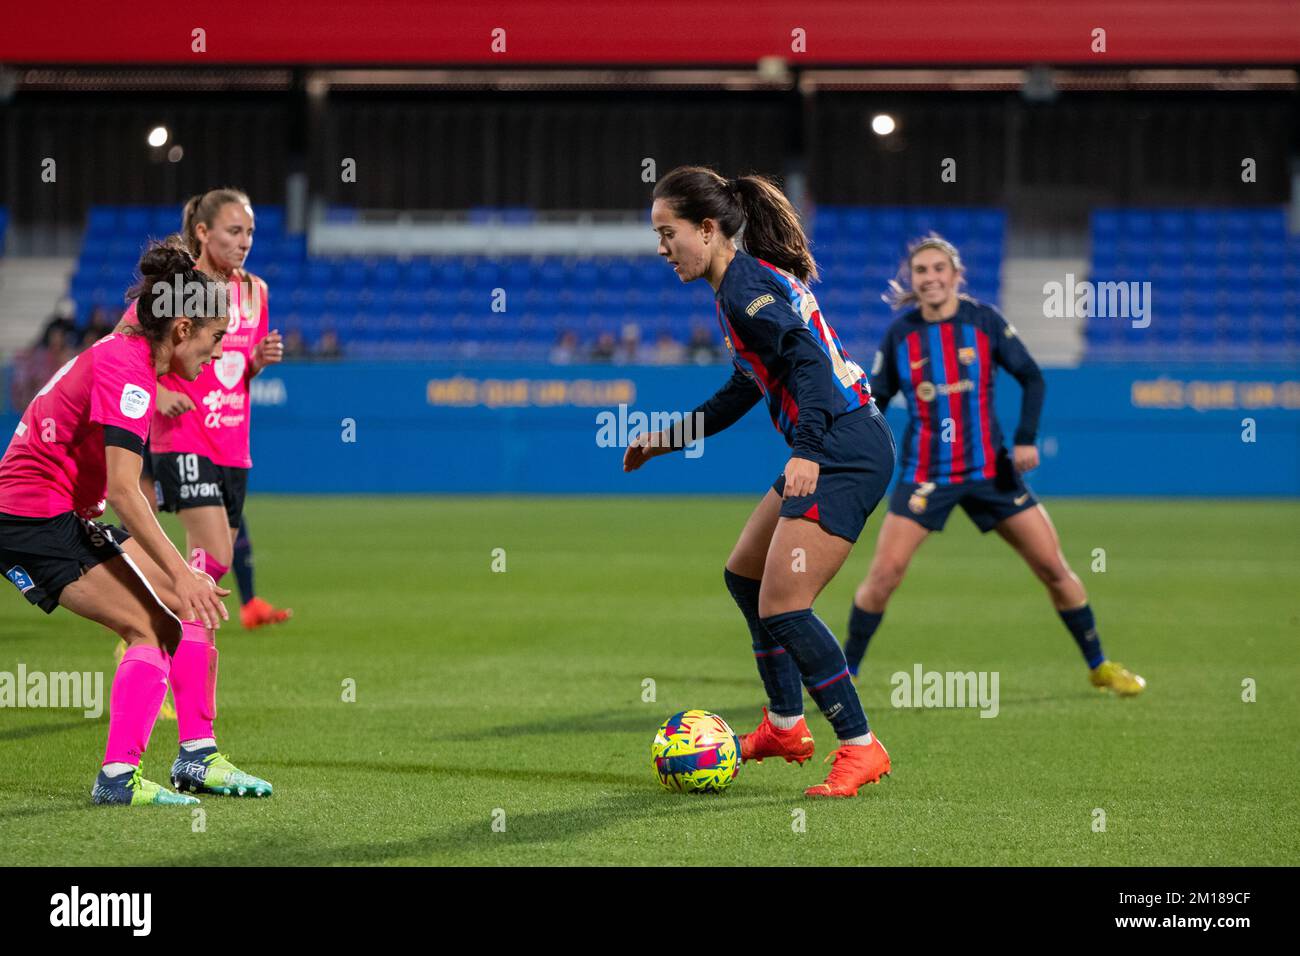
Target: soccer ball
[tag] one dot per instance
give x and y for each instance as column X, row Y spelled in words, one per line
column 695, row 752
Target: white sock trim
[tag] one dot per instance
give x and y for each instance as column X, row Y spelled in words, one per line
column 784, row 723
column 199, row 744
column 863, row 741
column 117, row 769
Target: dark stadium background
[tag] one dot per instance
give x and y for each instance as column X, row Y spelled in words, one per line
column 1122, row 165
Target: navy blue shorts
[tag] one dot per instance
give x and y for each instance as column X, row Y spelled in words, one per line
column 929, row 504
column 859, row 460
column 42, row 556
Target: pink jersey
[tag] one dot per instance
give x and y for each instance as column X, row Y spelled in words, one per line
column 217, row 428
column 56, row 462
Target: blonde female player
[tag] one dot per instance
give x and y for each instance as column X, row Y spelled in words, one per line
column 842, row 454
column 942, row 355
column 200, row 439
column 78, row 447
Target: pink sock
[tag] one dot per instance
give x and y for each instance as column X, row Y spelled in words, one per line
column 194, row 681
column 214, row 568
column 133, row 703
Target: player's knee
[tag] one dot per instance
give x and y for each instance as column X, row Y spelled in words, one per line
column 883, row 579
column 745, row 564
column 774, row 600
column 166, row 630
column 1055, row 574
column 138, row 632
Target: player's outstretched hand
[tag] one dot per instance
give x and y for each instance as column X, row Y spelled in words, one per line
column 200, row 598
column 801, row 477
column 1025, row 458
column 172, row 403
column 644, row 447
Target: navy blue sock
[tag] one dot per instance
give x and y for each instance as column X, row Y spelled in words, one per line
column 823, row 669
column 243, row 564
column 1084, row 629
column 862, row 624
column 775, row 666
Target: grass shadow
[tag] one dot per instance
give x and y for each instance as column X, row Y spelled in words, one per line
column 523, row 829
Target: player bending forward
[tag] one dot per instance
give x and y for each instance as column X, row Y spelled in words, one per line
column 80, row 442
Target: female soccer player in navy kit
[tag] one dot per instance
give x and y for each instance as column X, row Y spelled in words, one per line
column 941, row 356
column 785, row 352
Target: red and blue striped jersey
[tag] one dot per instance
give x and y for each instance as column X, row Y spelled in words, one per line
column 946, row 372
column 786, row 352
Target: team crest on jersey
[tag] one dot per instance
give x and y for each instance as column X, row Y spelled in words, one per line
column 20, row 578
column 966, row 356
column 920, row 497
column 230, row 368
column 758, row 303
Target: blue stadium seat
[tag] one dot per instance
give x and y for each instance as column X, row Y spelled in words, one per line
column 164, row 221
column 268, row 221
column 383, row 304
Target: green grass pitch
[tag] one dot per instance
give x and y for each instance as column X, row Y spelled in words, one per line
column 516, row 697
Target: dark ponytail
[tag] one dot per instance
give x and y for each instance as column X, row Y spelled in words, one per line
column 755, row 203
column 162, row 263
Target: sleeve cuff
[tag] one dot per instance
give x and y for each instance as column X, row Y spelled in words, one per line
column 119, row 437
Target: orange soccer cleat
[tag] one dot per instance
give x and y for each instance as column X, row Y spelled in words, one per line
column 855, row 764
column 795, row 744
column 258, row 613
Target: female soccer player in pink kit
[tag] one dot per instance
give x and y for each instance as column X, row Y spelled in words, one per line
column 78, row 447
column 200, row 430
column 201, row 459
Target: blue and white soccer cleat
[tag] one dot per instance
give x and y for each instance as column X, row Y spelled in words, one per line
column 207, row 771
column 132, row 790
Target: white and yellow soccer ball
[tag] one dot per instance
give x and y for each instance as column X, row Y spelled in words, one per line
column 695, row 752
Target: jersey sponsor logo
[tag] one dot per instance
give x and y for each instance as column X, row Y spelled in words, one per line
column 20, row 578
column 230, row 368
column 200, row 489
column 928, row 391
column 219, row 404
column 758, row 303
column 966, row 355
column 135, row 401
